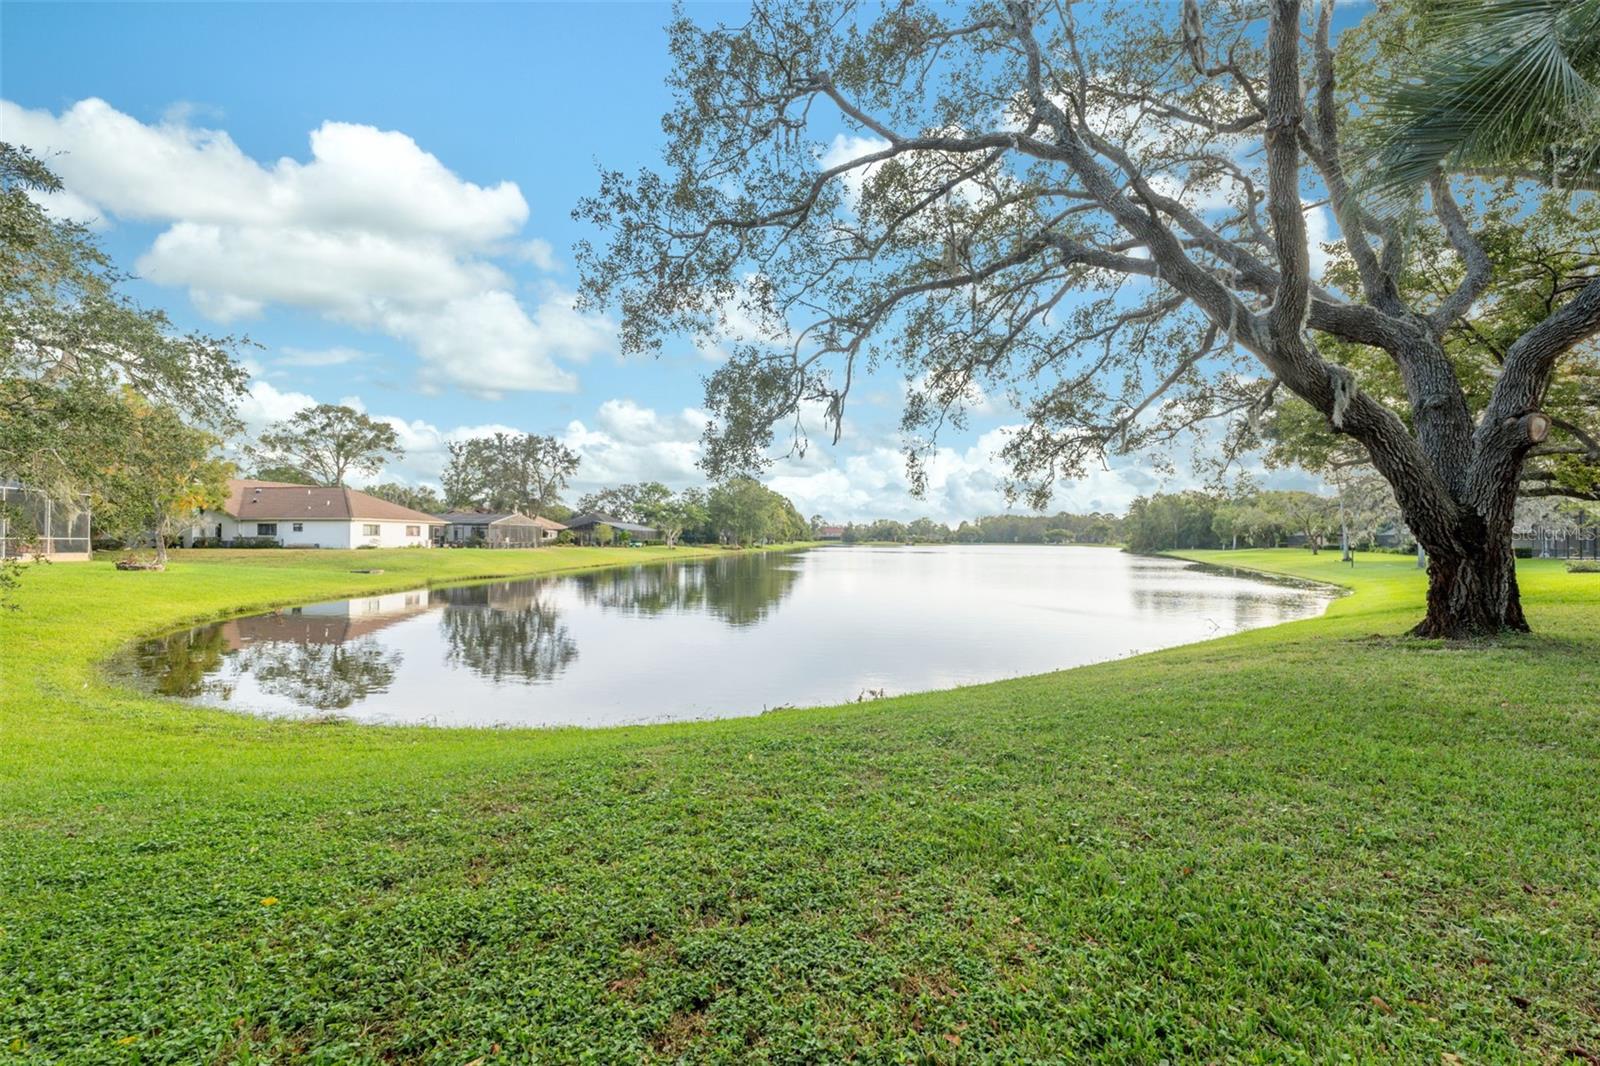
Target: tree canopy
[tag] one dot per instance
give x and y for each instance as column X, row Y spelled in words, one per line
column 158, row 472
column 71, row 343
column 521, row 472
column 327, row 442
column 1107, row 224
column 417, row 497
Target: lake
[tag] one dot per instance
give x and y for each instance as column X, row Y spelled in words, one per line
column 710, row 638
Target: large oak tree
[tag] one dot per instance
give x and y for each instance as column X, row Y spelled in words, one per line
column 1106, row 221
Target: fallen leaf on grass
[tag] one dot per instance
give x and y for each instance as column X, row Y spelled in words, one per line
column 1381, row 1004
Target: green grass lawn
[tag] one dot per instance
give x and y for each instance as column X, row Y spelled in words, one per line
column 1316, row 842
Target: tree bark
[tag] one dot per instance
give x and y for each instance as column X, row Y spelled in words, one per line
column 1473, row 596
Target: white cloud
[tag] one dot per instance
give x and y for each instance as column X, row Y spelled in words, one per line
column 842, row 149
column 265, row 403
column 541, row 254
column 630, row 443
column 1319, row 231
column 336, row 356
column 371, row 232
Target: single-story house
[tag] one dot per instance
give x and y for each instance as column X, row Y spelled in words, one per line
column 830, row 532
column 36, row 525
column 496, row 530
column 308, row 516
column 584, row 525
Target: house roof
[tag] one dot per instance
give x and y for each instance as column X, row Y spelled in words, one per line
column 585, row 521
column 492, row 518
column 250, row 500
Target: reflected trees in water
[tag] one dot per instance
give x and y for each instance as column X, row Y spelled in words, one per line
column 178, row 665
column 319, row 675
column 508, row 632
column 326, row 677
column 740, row 590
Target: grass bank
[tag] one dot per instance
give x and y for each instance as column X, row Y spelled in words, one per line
column 1289, row 845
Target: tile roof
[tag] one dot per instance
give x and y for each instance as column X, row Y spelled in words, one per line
column 270, row 500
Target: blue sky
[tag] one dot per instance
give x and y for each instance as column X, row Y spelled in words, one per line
column 380, row 196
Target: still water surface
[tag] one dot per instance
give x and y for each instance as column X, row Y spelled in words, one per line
column 710, row 639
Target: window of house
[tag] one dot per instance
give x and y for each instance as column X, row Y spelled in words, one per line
column 413, row 531
column 266, row 529
column 299, row 527
column 370, row 529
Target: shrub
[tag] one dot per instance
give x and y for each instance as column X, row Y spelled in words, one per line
column 1584, row 566
column 254, row 542
column 1523, row 553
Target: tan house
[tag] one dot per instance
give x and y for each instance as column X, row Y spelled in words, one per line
column 308, row 516
column 487, row 529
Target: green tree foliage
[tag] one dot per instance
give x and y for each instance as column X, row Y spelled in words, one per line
column 675, row 513
column 1543, row 254
column 70, row 343
column 159, row 471
column 1501, row 87
column 328, row 442
column 744, row 511
column 417, row 497
column 520, row 472
column 1188, row 520
column 288, row 475
column 1105, row 220
column 652, row 504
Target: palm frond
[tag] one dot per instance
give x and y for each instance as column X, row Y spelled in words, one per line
column 1506, row 83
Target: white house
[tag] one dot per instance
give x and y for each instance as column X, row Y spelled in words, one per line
column 303, row 516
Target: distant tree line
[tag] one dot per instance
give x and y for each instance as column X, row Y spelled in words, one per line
column 1362, row 509
column 1063, row 528
column 1363, row 512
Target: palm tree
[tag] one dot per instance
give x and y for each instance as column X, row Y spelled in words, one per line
column 1501, row 88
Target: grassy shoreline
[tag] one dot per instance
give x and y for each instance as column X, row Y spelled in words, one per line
column 1285, row 845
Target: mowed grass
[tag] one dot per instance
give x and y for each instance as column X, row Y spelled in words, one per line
column 1302, row 844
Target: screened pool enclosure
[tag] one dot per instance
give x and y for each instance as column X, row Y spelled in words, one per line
column 34, row 524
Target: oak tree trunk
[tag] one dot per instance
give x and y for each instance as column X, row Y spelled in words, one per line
column 1472, row 596
column 1472, row 583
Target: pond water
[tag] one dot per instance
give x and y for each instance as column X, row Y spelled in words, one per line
column 710, row 638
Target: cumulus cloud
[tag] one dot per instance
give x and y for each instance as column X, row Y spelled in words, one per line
column 372, row 231
column 628, row 442
column 336, row 356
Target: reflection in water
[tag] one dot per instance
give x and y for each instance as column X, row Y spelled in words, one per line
column 741, row 590
column 315, row 659
column 323, row 677
column 178, row 665
column 504, row 632
column 713, row 638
